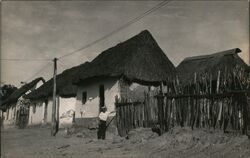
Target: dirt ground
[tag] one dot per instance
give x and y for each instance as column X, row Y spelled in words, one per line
column 179, row 142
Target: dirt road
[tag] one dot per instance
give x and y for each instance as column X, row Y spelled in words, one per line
column 179, row 142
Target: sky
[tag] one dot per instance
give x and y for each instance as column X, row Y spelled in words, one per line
column 45, row 30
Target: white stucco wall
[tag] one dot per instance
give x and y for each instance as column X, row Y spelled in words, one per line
column 49, row 110
column 40, row 83
column 67, row 106
column 10, row 120
column 37, row 117
column 91, row 107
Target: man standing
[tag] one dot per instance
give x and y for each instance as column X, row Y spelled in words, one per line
column 103, row 116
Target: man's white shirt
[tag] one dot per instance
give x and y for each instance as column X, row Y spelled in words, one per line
column 104, row 116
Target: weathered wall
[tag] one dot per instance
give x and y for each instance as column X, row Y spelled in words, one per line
column 134, row 92
column 9, row 115
column 37, row 118
column 36, row 113
column 67, row 107
column 40, row 83
column 91, row 108
column 49, row 110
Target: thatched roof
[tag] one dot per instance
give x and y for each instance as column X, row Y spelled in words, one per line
column 211, row 64
column 138, row 59
column 64, row 85
column 21, row 91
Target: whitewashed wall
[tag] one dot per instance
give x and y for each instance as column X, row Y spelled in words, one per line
column 49, row 110
column 36, row 117
column 91, row 107
column 134, row 92
column 67, row 106
column 11, row 112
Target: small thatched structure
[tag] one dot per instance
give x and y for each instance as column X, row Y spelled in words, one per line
column 42, row 101
column 139, row 59
column 64, row 85
column 21, row 91
column 210, row 91
column 209, row 65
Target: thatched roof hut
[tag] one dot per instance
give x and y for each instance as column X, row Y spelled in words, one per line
column 21, row 91
column 139, row 59
column 64, row 85
column 210, row 64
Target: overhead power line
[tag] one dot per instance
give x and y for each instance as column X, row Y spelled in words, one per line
column 132, row 21
column 61, row 64
column 38, row 72
column 32, row 60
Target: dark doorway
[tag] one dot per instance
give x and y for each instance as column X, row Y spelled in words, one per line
column 84, row 97
column 101, row 94
column 23, row 117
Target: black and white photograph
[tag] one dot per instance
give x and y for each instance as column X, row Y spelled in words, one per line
column 125, row 79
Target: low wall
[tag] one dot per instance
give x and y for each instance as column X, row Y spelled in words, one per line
column 91, row 122
column 94, row 121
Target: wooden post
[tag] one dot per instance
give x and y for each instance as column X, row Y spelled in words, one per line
column 219, row 101
column 160, row 103
column 2, row 120
column 57, row 112
column 45, row 112
column 218, row 82
column 54, row 124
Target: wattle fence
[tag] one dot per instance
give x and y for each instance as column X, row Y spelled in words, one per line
column 225, row 111
column 130, row 115
column 206, row 101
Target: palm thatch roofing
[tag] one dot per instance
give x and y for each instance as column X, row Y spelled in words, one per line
column 139, row 59
column 64, row 85
column 21, row 91
column 210, row 64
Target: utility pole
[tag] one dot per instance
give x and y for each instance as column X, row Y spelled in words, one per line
column 54, row 126
column 57, row 112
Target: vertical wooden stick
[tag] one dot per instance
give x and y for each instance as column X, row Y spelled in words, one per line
column 54, row 123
